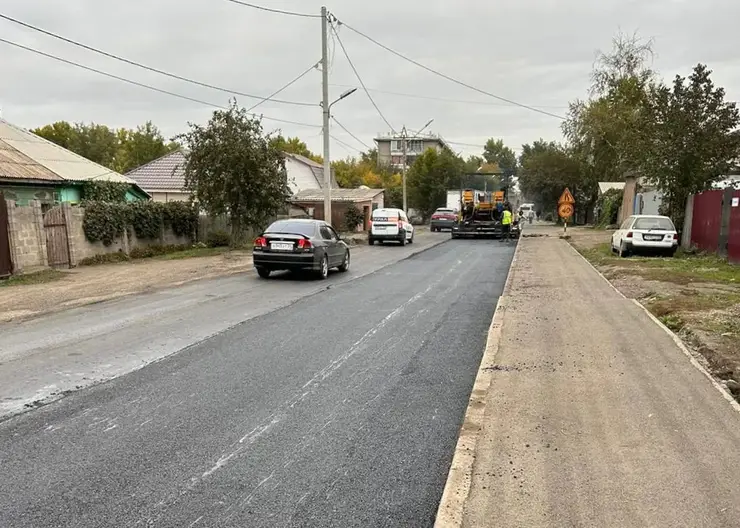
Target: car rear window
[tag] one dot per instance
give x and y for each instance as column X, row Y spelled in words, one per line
column 444, row 211
column 660, row 224
column 295, row 228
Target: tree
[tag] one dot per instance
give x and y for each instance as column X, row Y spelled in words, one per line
column 140, row 146
column 496, row 152
column 120, row 150
column 294, row 145
column 429, row 178
column 691, row 137
column 233, row 168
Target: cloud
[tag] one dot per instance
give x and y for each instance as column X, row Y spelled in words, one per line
column 537, row 52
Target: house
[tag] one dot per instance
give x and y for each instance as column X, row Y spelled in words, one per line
column 310, row 203
column 305, row 173
column 33, row 168
column 164, row 178
column 390, row 148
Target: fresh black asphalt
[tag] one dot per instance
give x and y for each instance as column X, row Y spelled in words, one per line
column 341, row 409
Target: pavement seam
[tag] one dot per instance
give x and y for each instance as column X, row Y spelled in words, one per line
column 676, row 339
column 451, row 508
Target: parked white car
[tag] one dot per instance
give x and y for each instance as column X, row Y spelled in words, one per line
column 645, row 234
column 390, row 225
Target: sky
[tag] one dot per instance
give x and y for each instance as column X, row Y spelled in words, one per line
column 537, row 53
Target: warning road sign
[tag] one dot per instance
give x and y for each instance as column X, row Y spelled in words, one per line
column 566, row 198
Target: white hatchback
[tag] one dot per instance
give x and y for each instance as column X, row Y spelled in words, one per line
column 390, row 225
column 646, row 234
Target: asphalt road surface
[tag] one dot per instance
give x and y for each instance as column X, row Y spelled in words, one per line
column 341, row 409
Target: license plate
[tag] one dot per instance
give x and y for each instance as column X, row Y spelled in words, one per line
column 653, row 238
column 379, row 228
column 281, row 246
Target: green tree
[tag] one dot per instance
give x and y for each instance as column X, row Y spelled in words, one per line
column 233, row 168
column 62, row 133
column 496, row 152
column 140, row 146
column 547, row 169
column 294, row 145
column 691, row 137
column 430, row 177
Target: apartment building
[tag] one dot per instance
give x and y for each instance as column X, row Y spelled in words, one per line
column 390, row 148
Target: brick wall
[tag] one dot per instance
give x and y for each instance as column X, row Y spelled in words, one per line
column 27, row 237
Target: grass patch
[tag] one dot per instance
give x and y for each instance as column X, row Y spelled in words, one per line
column 683, row 268
column 40, row 277
column 159, row 252
column 193, row 253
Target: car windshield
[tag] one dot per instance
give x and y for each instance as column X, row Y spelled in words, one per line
column 294, row 228
column 659, row 224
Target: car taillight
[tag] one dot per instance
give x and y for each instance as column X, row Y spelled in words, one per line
column 435, row 217
column 629, row 235
column 260, row 242
column 675, row 236
column 304, row 244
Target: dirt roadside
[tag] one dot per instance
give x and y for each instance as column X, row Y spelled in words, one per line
column 698, row 297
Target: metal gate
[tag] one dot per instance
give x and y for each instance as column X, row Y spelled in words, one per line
column 6, row 263
column 57, row 242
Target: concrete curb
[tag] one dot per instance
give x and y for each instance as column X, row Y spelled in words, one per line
column 459, row 479
column 677, row 340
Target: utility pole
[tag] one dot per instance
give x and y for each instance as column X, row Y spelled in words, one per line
column 325, row 109
column 403, row 168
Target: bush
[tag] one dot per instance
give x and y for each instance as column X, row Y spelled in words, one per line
column 105, row 221
column 218, row 239
column 353, row 217
column 608, row 205
column 549, row 217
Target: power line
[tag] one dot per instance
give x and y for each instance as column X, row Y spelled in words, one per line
column 444, row 99
column 272, row 10
column 444, row 76
column 344, row 50
column 142, row 85
column 350, row 133
column 347, row 145
column 144, row 66
column 270, row 97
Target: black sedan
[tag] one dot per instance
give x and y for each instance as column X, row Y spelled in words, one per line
column 300, row 245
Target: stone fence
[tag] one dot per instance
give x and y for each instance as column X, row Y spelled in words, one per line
column 42, row 238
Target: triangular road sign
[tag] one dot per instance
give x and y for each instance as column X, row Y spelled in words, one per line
column 566, row 198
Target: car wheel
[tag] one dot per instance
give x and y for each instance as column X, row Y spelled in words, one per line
column 323, row 268
column 370, row 241
column 263, row 272
column 345, row 263
column 623, row 251
column 403, row 238
column 411, row 240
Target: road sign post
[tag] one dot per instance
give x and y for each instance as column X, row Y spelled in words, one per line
column 566, row 208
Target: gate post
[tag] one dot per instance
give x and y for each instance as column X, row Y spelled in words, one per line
column 724, row 226
column 38, row 217
column 71, row 247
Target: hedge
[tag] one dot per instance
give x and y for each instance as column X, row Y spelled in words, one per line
column 104, row 221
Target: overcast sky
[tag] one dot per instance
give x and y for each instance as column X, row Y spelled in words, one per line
column 536, row 52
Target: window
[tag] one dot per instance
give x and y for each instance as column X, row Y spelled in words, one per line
column 292, row 227
column 416, row 145
column 658, row 224
column 402, row 216
column 326, row 233
column 626, row 224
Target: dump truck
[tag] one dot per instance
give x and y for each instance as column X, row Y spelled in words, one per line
column 480, row 214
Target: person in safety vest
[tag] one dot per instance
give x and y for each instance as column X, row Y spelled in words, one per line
column 506, row 220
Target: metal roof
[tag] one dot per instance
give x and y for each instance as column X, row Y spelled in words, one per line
column 163, row 174
column 608, row 186
column 15, row 165
column 34, row 151
column 337, row 195
column 316, row 168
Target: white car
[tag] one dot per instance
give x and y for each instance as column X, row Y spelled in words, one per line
column 390, row 224
column 646, row 234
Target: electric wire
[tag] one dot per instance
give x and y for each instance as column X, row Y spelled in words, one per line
column 273, row 10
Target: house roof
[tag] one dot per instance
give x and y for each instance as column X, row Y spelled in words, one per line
column 28, row 157
column 316, row 168
column 607, row 186
column 162, row 174
column 337, row 195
